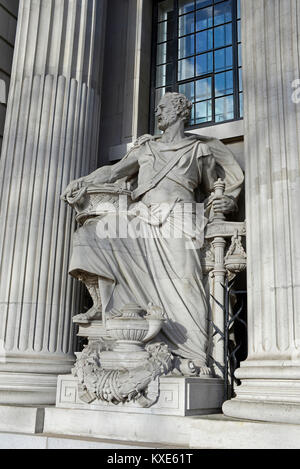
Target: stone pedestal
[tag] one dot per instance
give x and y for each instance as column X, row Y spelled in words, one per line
column 178, row 396
column 50, row 138
column 270, row 388
column 165, row 394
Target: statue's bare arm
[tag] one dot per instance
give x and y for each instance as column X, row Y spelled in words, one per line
column 127, row 167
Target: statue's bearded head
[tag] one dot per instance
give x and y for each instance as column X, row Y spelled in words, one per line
column 171, row 108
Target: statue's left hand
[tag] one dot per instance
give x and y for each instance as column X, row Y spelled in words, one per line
column 224, row 205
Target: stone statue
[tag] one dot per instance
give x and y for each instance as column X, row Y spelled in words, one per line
column 160, row 178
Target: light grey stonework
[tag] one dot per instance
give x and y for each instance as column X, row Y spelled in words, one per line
column 177, row 396
column 270, row 376
column 29, row 420
column 76, row 429
column 26, row 441
column 204, row 432
column 51, row 136
column 8, row 25
column 126, row 85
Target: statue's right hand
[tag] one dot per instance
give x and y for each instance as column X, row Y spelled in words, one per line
column 74, row 186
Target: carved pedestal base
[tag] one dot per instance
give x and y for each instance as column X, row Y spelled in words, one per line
column 177, row 396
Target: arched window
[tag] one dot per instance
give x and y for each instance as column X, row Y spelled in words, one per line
column 197, row 51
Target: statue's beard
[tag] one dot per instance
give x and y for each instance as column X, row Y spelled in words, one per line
column 165, row 122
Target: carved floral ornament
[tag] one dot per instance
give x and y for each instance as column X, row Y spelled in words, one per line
column 98, row 370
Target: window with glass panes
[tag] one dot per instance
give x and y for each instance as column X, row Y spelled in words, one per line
column 198, row 53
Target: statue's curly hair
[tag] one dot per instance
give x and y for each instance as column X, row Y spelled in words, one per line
column 183, row 105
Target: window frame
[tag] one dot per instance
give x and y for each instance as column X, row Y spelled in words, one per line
column 236, row 67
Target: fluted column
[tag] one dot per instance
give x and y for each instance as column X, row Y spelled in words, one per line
column 270, row 376
column 50, row 138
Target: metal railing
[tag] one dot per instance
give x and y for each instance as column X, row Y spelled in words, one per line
column 230, row 347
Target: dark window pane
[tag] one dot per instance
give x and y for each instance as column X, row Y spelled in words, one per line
column 199, row 48
column 188, row 89
column 241, row 104
column 192, row 120
column 204, row 64
column 238, row 8
column 170, row 89
column 165, row 31
column 158, row 95
column 240, row 55
column 223, row 59
column 204, row 19
column 162, row 32
column 223, row 12
column 204, row 41
column 186, row 24
column 164, row 75
column 186, row 46
column 185, row 6
column 239, row 31
column 223, row 35
column 165, row 9
column 203, row 3
column 240, row 79
column 161, row 54
column 203, row 112
column 224, row 83
column 224, row 109
column 203, row 89
column 186, row 68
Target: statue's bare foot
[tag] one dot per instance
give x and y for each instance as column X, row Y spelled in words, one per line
column 91, row 315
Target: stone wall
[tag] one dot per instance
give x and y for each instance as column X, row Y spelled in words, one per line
column 126, row 83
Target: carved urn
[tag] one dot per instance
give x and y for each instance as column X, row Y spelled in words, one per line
column 131, row 330
column 130, row 326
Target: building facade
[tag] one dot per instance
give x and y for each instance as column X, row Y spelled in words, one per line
column 85, row 79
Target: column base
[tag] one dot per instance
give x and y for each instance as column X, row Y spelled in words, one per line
column 263, row 411
column 267, row 393
column 31, row 379
column 27, row 389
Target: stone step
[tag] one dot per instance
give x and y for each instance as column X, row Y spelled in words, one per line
column 50, row 427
